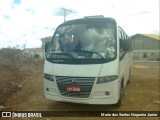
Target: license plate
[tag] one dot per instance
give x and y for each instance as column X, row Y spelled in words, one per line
column 73, row 88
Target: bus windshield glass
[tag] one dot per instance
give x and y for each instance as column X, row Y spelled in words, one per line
column 84, row 41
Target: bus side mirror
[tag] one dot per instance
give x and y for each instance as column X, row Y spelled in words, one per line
column 126, row 45
column 46, row 46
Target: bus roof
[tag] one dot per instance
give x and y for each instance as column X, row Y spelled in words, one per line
column 90, row 20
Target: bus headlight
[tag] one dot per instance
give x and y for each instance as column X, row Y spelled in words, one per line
column 49, row 77
column 106, row 79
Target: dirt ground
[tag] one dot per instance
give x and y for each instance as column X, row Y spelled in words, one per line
column 21, row 89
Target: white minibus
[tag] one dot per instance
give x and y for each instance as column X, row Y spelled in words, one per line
column 88, row 61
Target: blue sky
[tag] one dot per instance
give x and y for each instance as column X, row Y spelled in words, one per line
column 27, row 21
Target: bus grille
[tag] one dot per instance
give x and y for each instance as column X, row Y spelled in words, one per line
column 85, row 84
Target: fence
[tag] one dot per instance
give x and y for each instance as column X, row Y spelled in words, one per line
column 146, row 55
column 13, row 63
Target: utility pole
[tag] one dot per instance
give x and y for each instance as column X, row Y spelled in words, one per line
column 65, row 12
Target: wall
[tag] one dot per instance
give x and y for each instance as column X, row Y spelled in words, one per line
column 145, row 48
column 34, row 53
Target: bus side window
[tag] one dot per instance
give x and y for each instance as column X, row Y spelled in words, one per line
column 125, row 43
column 130, row 44
column 121, row 41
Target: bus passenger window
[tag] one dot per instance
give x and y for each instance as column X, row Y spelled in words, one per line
column 121, row 42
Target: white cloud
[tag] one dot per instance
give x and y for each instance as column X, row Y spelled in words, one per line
column 30, row 20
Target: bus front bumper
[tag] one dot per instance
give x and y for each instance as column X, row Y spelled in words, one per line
column 107, row 93
column 91, row 100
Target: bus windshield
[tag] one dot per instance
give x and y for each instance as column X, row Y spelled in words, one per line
column 84, row 41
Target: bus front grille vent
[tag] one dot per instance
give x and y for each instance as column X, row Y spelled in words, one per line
column 84, row 85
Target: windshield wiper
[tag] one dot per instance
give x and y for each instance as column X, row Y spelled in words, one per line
column 65, row 54
column 92, row 52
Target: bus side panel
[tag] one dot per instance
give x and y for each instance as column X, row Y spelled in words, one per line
column 124, row 67
column 110, row 68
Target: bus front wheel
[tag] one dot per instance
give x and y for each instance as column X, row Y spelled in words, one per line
column 118, row 104
column 129, row 79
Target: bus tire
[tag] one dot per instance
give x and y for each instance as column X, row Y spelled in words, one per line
column 119, row 103
column 129, row 79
